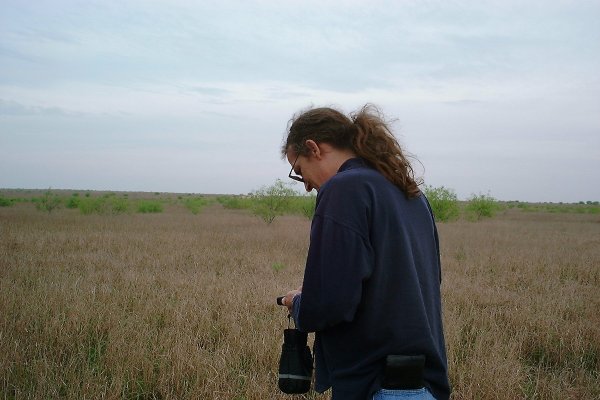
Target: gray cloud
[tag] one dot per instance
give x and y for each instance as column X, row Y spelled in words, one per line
column 13, row 108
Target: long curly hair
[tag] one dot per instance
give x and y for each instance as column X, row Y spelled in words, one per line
column 365, row 132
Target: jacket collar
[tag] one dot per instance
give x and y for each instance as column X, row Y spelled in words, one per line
column 352, row 163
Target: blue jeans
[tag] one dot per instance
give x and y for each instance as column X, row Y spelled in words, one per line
column 415, row 394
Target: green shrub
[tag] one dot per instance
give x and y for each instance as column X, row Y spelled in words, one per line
column 48, row 202
column 302, row 205
column 103, row 205
column 195, row 204
column 444, row 203
column 118, row 205
column 4, row 202
column 91, row 205
column 73, row 202
column 235, row 202
column 481, row 206
column 271, row 201
column 149, row 206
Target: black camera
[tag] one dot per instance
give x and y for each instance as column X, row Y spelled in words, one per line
column 296, row 361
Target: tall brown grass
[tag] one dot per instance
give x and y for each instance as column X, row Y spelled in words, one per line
column 182, row 306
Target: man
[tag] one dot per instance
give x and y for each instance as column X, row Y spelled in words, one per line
column 371, row 288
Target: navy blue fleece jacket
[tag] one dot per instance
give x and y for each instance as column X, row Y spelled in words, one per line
column 371, row 284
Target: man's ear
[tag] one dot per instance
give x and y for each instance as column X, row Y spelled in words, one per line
column 314, row 148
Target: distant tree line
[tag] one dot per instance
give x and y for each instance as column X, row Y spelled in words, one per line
column 271, row 201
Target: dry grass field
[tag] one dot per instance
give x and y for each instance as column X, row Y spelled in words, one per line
column 182, row 306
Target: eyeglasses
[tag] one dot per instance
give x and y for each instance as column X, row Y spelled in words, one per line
column 295, row 177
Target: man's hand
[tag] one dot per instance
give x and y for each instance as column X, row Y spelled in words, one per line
column 288, row 299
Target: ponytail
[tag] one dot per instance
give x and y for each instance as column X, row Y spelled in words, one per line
column 365, row 133
column 374, row 142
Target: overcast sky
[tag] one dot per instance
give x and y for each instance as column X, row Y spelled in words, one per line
column 498, row 97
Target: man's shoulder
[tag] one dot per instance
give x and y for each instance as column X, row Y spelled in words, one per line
column 355, row 178
column 347, row 185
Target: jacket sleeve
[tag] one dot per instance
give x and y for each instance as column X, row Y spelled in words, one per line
column 339, row 260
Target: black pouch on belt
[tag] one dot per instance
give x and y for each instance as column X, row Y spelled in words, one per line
column 404, row 372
